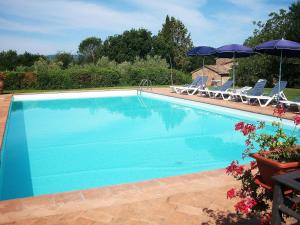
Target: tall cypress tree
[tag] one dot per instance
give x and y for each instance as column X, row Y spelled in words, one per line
column 172, row 42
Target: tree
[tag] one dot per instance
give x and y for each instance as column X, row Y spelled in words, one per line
column 172, row 43
column 128, row 46
column 65, row 58
column 282, row 24
column 28, row 59
column 8, row 60
column 89, row 48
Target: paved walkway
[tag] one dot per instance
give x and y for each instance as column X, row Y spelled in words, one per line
column 184, row 200
column 4, row 108
column 230, row 104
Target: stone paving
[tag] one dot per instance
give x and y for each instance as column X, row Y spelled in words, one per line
column 4, row 109
column 192, row 199
column 229, row 104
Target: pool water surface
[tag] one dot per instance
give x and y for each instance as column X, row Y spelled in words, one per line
column 62, row 145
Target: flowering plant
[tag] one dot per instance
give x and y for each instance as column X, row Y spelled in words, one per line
column 253, row 200
column 280, row 145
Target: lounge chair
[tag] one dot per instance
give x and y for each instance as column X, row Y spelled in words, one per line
column 295, row 102
column 218, row 90
column 275, row 94
column 178, row 88
column 199, row 86
column 257, row 90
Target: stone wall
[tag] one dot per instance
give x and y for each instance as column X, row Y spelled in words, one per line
column 211, row 76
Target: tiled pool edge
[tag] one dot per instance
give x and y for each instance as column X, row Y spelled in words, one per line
column 5, row 101
column 68, row 202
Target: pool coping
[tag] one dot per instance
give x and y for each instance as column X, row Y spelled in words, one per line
column 5, row 102
column 87, row 199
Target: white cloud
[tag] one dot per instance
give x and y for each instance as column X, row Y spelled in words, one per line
column 64, row 18
column 22, row 44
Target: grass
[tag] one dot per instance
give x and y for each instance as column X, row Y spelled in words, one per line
column 291, row 93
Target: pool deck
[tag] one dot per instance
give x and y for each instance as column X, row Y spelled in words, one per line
column 192, row 199
column 4, row 110
column 229, row 104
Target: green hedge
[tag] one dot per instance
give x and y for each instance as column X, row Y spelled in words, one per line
column 46, row 75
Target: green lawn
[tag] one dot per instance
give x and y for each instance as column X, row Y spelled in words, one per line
column 290, row 93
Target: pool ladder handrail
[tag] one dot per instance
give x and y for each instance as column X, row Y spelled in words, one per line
column 144, row 83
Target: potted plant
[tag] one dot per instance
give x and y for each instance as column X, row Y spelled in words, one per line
column 275, row 153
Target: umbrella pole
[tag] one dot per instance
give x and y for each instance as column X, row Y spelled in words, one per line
column 279, row 73
column 233, row 71
column 203, row 61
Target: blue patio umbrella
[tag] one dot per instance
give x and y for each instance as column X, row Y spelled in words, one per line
column 234, row 51
column 282, row 48
column 202, row 51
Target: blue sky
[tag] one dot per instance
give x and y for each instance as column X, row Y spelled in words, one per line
column 49, row 26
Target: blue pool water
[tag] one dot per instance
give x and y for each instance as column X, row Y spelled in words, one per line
column 62, row 145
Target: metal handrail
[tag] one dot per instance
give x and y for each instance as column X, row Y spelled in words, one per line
column 144, row 83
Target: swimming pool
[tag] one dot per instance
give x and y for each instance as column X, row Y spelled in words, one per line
column 62, row 142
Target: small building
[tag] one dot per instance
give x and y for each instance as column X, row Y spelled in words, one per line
column 217, row 74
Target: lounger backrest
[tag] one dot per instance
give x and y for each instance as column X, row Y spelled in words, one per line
column 276, row 89
column 226, row 85
column 195, row 81
column 202, row 81
column 258, row 88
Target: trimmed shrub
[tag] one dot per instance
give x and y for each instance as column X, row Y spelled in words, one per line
column 45, row 75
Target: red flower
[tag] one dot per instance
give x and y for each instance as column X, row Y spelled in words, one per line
column 297, row 120
column 266, row 219
column 239, row 170
column 231, row 167
column 244, row 206
column 231, row 193
column 234, row 168
column 248, row 128
column 253, row 165
column 239, row 126
column 279, row 110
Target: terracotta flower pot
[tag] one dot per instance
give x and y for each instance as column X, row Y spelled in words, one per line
column 1, row 86
column 268, row 167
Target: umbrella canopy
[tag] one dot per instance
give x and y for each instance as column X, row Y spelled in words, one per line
column 277, row 47
column 234, row 51
column 202, row 51
column 282, row 48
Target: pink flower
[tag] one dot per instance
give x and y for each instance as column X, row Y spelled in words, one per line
column 279, row 110
column 231, row 193
column 248, row 128
column 253, row 165
column 244, row 206
column 239, row 126
column 297, row 120
column 234, row 168
column 239, row 170
column 266, row 219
